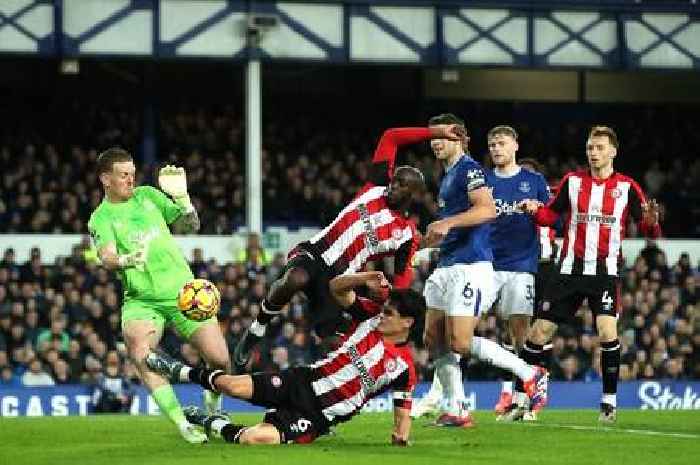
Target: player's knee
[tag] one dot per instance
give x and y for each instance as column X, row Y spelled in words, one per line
column 461, row 345
column 259, row 435
column 296, row 278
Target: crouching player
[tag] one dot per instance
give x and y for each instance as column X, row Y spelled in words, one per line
column 305, row 401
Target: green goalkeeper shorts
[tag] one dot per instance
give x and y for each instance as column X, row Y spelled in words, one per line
column 161, row 313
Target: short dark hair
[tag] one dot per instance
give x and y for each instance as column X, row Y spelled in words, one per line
column 445, row 118
column 109, row 157
column 408, row 302
column 604, row 131
column 415, row 172
column 502, row 130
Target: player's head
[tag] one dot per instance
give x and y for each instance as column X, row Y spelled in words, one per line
column 407, row 183
column 503, row 143
column 445, row 149
column 601, row 147
column 116, row 170
column 403, row 309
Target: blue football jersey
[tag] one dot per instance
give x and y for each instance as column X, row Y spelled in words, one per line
column 514, row 236
column 463, row 245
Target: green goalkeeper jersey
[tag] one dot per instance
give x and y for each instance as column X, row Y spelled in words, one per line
column 144, row 217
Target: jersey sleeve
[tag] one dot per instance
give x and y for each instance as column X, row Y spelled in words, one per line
column 636, row 200
column 403, row 262
column 363, row 309
column 169, row 209
column 384, row 157
column 548, row 214
column 475, row 178
column 544, row 193
column 404, row 385
column 101, row 231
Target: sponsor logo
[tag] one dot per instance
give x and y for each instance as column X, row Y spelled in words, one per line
column 602, row 219
column 475, row 179
column 504, row 207
column 656, row 396
column 365, row 379
column 371, row 239
column 524, row 186
column 276, row 381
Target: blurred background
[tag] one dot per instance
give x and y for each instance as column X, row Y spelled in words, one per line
column 274, row 109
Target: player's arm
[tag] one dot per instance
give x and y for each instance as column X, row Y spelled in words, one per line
column 402, row 422
column 482, row 211
column 547, row 215
column 384, row 157
column 342, row 287
column 403, row 263
column 645, row 213
column 403, row 394
column 173, row 181
column 105, row 242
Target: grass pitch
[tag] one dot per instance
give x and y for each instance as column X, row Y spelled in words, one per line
column 561, row 437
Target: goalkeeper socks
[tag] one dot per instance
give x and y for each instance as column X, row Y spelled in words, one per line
column 168, row 403
column 532, row 354
column 488, row 351
column 268, row 311
column 610, row 364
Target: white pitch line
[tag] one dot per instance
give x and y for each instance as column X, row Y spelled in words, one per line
column 618, row 430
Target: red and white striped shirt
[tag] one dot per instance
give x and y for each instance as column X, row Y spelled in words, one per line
column 595, row 222
column 368, row 229
column 363, row 367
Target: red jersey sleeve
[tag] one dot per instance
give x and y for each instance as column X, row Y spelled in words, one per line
column 548, row 214
column 385, row 153
column 636, row 200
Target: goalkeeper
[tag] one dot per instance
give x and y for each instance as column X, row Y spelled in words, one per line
column 130, row 231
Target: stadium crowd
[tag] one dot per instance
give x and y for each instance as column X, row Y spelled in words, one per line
column 60, row 323
column 308, row 175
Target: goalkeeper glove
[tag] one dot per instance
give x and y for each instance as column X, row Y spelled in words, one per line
column 135, row 259
column 173, row 181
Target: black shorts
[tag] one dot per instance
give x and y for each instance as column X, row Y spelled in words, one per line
column 293, row 407
column 325, row 314
column 564, row 294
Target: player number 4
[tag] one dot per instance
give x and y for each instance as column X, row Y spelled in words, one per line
column 607, row 299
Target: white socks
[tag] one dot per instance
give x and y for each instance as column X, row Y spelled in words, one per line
column 450, row 377
column 507, row 387
column 610, row 399
column 490, row 352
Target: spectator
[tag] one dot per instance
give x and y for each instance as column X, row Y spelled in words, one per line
column 36, row 376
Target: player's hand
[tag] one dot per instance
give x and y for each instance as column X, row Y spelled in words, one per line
column 173, row 181
column 135, row 259
column 529, row 206
column 378, row 286
column 650, row 212
column 397, row 441
column 450, row 132
column 437, row 230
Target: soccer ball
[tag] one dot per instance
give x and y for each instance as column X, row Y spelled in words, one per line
column 198, row 300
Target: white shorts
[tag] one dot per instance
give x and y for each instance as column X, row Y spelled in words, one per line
column 516, row 293
column 461, row 290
